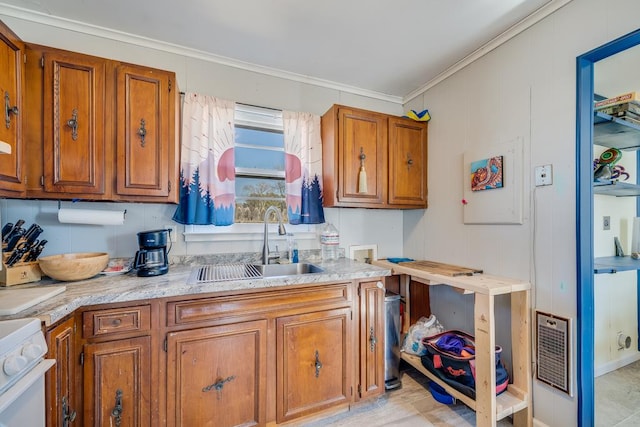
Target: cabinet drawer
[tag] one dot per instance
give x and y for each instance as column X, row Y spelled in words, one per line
column 99, row 323
column 205, row 309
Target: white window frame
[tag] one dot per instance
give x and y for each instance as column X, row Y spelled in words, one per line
column 251, row 116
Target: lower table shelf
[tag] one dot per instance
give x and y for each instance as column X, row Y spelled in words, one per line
column 507, row 403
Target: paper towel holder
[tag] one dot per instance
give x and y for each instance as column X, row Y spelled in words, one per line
column 75, row 200
column 108, row 221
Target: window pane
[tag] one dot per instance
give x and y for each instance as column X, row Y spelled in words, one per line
column 259, row 137
column 252, row 158
column 255, row 195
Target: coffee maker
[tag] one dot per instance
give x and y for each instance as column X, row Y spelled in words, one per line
column 152, row 258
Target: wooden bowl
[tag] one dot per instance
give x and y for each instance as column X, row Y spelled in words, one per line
column 75, row 266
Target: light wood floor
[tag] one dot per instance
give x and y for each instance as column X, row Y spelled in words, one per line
column 410, row 406
column 617, row 397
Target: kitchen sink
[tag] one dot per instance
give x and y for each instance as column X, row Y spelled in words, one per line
column 222, row 272
column 272, row 270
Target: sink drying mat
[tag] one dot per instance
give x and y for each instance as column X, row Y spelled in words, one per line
column 221, row 272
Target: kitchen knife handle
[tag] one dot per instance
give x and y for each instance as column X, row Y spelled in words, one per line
column 6, row 229
column 11, row 245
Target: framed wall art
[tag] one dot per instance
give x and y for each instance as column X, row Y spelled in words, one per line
column 493, row 184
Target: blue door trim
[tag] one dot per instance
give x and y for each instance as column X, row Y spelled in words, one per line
column 584, row 220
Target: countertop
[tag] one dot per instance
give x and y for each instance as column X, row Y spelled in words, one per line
column 480, row 283
column 129, row 287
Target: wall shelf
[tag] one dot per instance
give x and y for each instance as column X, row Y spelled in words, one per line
column 616, row 188
column 614, row 264
column 613, row 132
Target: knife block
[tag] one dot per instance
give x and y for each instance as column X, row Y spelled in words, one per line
column 19, row 273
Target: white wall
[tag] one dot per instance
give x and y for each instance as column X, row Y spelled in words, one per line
column 525, row 88
column 356, row 226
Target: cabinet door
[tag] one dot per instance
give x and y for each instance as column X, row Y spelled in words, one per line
column 145, row 143
column 371, row 339
column 74, row 124
column 62, row 408
column 407, row 163
column 362, row 133
column 313, row 362
column 11, row 91
column 117, row 383
column 216, row 376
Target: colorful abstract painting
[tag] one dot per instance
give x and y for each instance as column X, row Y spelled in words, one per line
column 486, row 174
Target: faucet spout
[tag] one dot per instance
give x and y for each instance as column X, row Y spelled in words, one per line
column 265, row 241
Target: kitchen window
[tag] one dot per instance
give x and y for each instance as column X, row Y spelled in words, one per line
column 259, row 181
column 259, row 161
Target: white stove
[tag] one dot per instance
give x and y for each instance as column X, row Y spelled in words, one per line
column 22, row 369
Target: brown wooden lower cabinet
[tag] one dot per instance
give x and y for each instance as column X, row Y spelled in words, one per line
column 117, row 383
column 372, row 333
column 267, row 357
column 62, row 404
column 217, row 376
column 313, row 362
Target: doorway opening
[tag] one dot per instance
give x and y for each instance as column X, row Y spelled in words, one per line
column 585, row 220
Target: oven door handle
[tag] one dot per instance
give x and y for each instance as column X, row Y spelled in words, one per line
column 16, row 390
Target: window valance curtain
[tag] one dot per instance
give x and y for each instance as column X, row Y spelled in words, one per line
column 207, row 170
column 303, row 167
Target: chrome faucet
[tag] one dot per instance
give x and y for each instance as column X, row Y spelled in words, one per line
column 265, row 242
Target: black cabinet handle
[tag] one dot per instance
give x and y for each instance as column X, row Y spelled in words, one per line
column 68, row 415
column 9, row 110
column 372, row 339
column 116, row 413
column 218, row 385
column 73, row 124
column 318, row 364
column 142, row 132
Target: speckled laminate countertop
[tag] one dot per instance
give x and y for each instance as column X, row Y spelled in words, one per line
column 130, row 287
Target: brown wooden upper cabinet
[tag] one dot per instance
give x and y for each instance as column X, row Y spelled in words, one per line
column 12, row 177
column 373, row 160
column 108, row 129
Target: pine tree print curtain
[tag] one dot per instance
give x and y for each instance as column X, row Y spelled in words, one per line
column 207, row 172
column 303, row 167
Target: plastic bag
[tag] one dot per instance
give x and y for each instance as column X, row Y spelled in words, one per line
column 423, row 328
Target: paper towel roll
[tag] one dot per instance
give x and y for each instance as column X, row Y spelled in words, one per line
column 90, row 216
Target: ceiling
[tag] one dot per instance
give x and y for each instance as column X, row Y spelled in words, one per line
column 372, row 46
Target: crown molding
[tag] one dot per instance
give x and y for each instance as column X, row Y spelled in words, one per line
column 81, row 27
column 107, row 33
column 502, row 38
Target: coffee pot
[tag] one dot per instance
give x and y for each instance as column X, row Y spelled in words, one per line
column 152, row 258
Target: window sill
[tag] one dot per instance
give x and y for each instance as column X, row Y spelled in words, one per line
column 246, row 232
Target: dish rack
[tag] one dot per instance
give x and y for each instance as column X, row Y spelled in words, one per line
column 221, row 272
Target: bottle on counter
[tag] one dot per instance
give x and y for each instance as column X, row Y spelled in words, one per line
column 292, row 246
column 329, row 242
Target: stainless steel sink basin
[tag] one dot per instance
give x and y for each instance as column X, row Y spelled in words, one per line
column 271, row 270
column 240, row 271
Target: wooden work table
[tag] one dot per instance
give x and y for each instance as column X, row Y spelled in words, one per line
column 516, row 401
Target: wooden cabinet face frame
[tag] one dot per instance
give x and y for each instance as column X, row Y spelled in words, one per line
column 11, row 129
